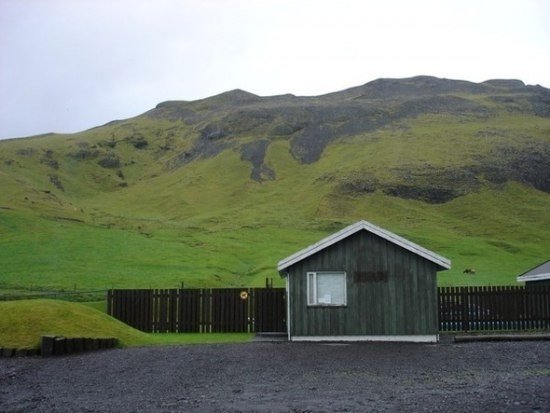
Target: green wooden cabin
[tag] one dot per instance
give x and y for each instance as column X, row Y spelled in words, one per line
column 362, row 283
column 537, row 276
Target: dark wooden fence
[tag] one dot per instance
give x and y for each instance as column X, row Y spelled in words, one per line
column 264, row 309
column 494, row 308
column 202, row 310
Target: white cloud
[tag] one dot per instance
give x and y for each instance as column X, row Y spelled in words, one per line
column 72, row 64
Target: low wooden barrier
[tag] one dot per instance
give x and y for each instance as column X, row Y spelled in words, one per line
column 494, row 308
column 59, row 346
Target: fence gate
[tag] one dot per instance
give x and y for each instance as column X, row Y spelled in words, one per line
column 270, row 310
column 230, row 312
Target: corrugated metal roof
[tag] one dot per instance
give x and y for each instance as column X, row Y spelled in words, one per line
column 443, row 262
column 538, row 273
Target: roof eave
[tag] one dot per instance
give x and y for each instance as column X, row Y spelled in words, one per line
column 536, row 277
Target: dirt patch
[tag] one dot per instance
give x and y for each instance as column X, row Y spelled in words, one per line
column 502, row 376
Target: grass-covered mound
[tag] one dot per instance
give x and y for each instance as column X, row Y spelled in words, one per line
column 24, row 322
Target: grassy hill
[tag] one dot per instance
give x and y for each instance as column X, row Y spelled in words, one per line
column 24, row 322
column 214, row 192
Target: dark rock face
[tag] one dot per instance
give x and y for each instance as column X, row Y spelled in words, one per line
column 254, row 152
column 137, row 140
column 47, row 159
column 109, row 161
column 431, row 194
column 214, row 132
column 430, row 184
column 55, row 181
column 203, row 148
column 529, row 165
column 174, row 111
column 359, row 184
column 434, row 185
column 83, row 152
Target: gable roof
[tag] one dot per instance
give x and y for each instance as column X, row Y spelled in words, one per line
column 442, row 262
column 538, row 273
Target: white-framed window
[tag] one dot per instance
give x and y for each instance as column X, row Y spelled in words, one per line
column 326, row 288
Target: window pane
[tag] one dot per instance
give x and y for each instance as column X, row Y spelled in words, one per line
column 331, row 288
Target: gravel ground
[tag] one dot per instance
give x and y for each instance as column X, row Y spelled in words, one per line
column 298, row 377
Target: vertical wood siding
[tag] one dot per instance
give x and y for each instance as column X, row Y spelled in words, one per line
column 391, row 291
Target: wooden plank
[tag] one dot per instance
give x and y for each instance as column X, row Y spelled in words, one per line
column 216, row 307
column 110, row 302
column 149, row 311
column 173, row 310
column 440, row 311
column 119, row 305
column 495, row 307
column 182, row 311
column 189, row 310
column 140, row 304
column 206, row 314
column 156, row 317
column 484, row 310
column 196, row 311
column 163, row 311
column 546, row 304
column 136, row 304
column 125, row 306
column 132, row 314
column 465, row 310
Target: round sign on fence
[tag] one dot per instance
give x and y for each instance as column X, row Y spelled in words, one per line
column 244, row 295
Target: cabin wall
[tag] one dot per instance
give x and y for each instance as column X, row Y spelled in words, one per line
column 538, row 283
column 390, row 291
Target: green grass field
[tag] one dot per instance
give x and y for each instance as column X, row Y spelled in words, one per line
column 49, row 254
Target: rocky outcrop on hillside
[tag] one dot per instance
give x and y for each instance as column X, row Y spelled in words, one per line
column 311, row 123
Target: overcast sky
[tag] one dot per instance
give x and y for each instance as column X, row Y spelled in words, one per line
column 68, row 65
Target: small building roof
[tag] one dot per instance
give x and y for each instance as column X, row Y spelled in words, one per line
column 442, row 262
column 538, row 273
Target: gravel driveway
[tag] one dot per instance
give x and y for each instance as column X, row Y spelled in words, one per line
column 504, row 376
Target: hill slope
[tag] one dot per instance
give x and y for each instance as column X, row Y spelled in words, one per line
column 25, row 321
column 216, row 191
